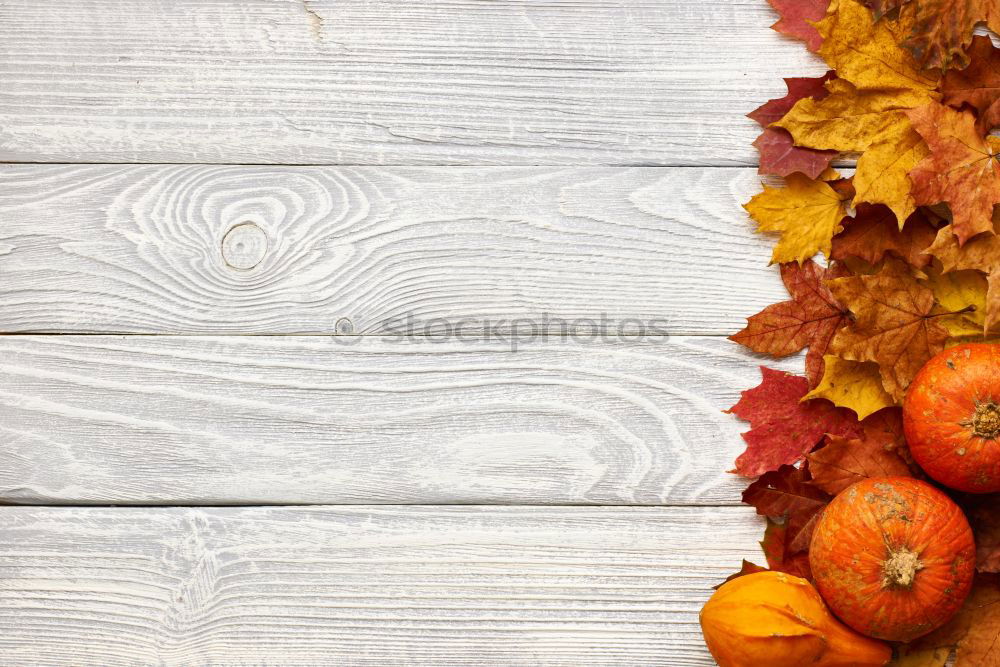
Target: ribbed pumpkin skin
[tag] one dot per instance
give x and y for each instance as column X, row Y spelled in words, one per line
column 868, row 526
column 940, row 417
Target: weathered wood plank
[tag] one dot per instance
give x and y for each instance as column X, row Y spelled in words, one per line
column 569, row 82
column 195, row 249
column 363, row 586
column 250, row 419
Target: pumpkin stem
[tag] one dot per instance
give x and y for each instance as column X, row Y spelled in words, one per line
column 900, row 569
column 986, row 420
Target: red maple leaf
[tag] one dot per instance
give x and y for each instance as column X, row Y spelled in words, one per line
column 780, row 557
column 783, row 428
column 787, row 493
column 798, row 87
column 797, row 17
column 810, row 318
column 745, row 569
column 778, row 154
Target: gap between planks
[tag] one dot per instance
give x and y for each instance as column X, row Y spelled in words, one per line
column 435, row 82
column 366, row 585
column 848, row 163
column 307, row 420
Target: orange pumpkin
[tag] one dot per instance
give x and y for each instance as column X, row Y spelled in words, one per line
column 951, row 417
column 893, row 557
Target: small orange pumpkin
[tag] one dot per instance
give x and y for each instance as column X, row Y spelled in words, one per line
column 951, row 417
column 893, row 557
column 779, row 620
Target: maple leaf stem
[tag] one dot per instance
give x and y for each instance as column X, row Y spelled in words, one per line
column 967, row 309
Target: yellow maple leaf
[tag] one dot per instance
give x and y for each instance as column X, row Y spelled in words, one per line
column 882, row 176
column 864, row 111
column 868, row 54
column 852, row 384
column 806, row 213
column 991, row 339
column 963, row 293
column 871, row 121
column 982, row 254
column 845, row 120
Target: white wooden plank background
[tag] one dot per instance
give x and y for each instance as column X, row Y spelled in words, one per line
column 249, row 420
column 151, row 249
column 362, row 586
column 570, row 82
column 202, row 419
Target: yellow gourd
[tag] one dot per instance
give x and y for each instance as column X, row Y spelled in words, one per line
column 775, row 619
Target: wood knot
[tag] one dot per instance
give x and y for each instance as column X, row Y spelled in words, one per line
column 244, row 246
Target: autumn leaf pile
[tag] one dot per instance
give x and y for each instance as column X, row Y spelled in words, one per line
column 911, row 266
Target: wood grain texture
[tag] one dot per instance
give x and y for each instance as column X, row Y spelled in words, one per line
column 363, row 586
column 250, row 419
column 571, row 82
column 196, row 249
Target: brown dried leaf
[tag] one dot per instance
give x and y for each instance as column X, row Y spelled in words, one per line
column 978, row 85
column 843, row 462
column 810, row 318
column 873, row 232
column 893, row 325
column 975, row 630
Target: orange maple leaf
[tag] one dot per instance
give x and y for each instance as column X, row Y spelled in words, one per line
column 877, row 453
column 978, row 85
column 961, row 170
column 893, row 324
